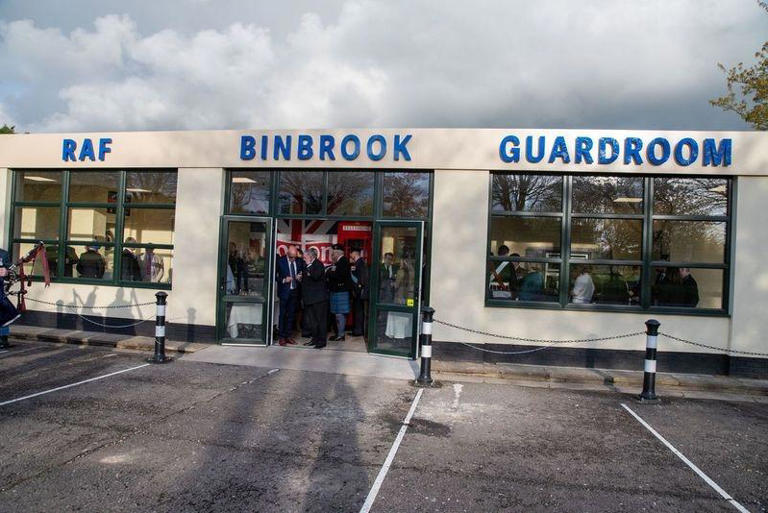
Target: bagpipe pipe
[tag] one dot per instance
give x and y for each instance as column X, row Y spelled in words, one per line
column 16, row 275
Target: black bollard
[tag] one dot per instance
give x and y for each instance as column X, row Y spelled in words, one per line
column 649, row 374
column 4, row 344
column 159, row 356
column 425, row 374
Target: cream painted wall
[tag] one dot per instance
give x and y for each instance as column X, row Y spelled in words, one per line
column 458, row 284
column 5, row 212
column 750, row 278
column 198, row 209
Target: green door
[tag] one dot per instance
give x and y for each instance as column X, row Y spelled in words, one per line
column 245, row 267
column 396, row 274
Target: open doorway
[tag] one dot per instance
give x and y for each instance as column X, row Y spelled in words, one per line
column 344, row 248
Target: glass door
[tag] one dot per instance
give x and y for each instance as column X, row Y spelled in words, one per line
column 245, row 268
column 396, row 274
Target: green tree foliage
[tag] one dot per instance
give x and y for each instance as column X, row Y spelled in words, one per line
column 5, row 129
column 748, row 88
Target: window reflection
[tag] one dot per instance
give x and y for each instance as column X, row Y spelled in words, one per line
column 301, row 192
column 38, row 186
column 36, row 223
column 93, row 187
column 90, row 223
column 406, row 194
column 526, row 192
column 150, row 187
column 249, row 192
column 350, row 193
column 690, row 196
column 607, row 195
column 610, row 239
column 530, row 237
column 689, row 241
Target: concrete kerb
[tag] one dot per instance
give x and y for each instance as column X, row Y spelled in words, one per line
column 134, row 342
column 606, row 377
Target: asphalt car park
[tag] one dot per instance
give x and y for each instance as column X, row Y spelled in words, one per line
column 109, row 433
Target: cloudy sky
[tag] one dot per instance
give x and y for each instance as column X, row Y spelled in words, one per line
column 207, row 64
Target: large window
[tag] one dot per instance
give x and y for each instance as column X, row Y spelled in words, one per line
column 612, row 242
column 108, row 227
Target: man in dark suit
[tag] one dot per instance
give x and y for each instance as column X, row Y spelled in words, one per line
column 359, row 272
column 387, row 275
column 314, row 292
column 288, row 277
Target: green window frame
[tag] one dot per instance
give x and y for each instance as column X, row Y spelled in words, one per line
column 648, row 262
column 121, row 206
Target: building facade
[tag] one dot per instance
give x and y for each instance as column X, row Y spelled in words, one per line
column 537, row 234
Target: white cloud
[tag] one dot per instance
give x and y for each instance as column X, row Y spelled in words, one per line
column 398, row 63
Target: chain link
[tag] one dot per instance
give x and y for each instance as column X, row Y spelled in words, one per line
column 74, row 307
column 113, row 326
column 537, row 340
column 734, row 351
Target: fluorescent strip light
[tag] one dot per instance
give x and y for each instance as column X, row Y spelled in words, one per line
column 719, row 188
column 38, row 179
column 242, row 179
column 628, row 200
column 133, row 189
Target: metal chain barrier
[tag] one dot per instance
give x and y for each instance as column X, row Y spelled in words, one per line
column 698, row 344
column 105, row 307
column 551, row 342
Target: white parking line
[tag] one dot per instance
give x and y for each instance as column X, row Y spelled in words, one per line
column 688, row 462
column 390, row 457
column 71, row 385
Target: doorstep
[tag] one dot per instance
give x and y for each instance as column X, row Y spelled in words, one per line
column 447, row 370
column 93, row 338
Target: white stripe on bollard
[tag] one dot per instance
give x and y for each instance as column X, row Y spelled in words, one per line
column 426, row 351
column 426, row 328
column 650, row 366
column 160, row 311
column 651, row 341
column 159, row 331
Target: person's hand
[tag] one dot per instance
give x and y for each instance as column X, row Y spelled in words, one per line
column 287, row 279
column 3, row 272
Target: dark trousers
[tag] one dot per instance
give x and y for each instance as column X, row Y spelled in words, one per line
column 317, row 317
column 360, row 310
column 288, row 306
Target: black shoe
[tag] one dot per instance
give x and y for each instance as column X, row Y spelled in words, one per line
column 338, row 339
column 320, row 346
column 357, row 334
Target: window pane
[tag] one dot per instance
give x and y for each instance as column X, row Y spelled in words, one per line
column 147, row 264
column 94, row 261
column 504, row 279
column 36, row 223
column 38, row 186
column 350, row 193
column 149, row 226
column 604, row 284
column 301, row 192
column 607, row 195
column 397, row 279
column 690, row 196
column 52, row 252
column 539, row 282
column 689, row 241
column 614, row 239
column 687, row 288
column 394, row 331
column 249, row 192
column 526, row 192
column 85, row 186
column 406, row 195
column 150, row 186
column 86, row 224
column 531, row 237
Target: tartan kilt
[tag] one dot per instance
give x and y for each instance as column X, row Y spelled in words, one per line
column 340, row 302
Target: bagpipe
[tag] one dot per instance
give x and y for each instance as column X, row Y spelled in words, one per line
column 15, row 274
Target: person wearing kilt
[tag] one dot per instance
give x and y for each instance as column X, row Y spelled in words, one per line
column 339, row 286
